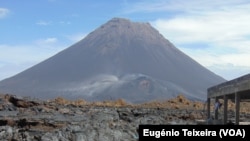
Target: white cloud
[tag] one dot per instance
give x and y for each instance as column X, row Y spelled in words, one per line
column 50, row 40
column 227, row 65
column 179, row 5
column 8, row 70
column 44, row 23
column 16, row 58
column 4, row 12
column 212, row 26
column 47, row 41
column 18, row 54
column 230, row 71
column 214, row 33
column 65, row 22
column 76, row 37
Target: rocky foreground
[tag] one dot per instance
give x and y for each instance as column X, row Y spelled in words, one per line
column 25, row 119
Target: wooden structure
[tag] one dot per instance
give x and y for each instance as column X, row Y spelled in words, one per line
column 237, row 89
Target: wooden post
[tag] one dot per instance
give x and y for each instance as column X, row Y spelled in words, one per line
column 225, row 109
column 208, row 108
column 216, row 110
column 237, row 108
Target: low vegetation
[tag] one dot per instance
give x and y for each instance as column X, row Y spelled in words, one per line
column 179, row 102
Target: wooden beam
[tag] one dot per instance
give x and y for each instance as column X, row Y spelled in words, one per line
column 208, row 108
column 228, row 88
column 237, row 108
column 216, row 110
column 225, row 109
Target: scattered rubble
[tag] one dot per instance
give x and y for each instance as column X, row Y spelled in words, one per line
column 23, row 119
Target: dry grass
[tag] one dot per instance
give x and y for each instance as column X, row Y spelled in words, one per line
column 62, row 101
column 179, row 102
column 115, row 103
column 81, row 102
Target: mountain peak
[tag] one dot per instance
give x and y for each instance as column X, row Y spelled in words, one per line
column 121, row 32
column 124, row 21
column 119, row 20
column 126, row 24
column 120, row 59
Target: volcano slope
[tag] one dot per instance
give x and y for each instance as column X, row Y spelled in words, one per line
column 120, row 59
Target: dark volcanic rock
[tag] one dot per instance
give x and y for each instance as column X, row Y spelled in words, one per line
column 21, row 103
column 120, row 59
column 49, row 121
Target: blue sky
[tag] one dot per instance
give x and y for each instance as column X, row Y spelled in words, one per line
column 216, row 33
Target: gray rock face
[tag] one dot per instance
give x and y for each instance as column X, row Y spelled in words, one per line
column 120, row 59
column 47, row 121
